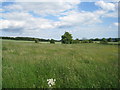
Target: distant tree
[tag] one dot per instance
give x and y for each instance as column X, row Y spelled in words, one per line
column 90, row 40
column 97, row 39
column 109, row 39
column 76, row 41
column 85, row 41
column 52, row 41
column 103, row 41
column 36, row 40
column 49, row 40
column 66, row 38
column 116, row 40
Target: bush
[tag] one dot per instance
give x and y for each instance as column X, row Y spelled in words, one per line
column 36, row 41
column 52, row 41
column 109, row 40
column 90, row 41
column 103, row 42
column 76, row 41
column 85, row 41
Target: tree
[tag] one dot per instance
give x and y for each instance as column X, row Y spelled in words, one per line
column 76, row 41
column 36, row 40
column 52, row 41
column 90, row 40
column 85, row 41
column 109, row 39
column 116, row 40
column 96, row 39
column 103, row 41
column 66, row 38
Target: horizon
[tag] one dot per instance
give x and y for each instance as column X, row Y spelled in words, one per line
column 51, row 19
column 57, row 39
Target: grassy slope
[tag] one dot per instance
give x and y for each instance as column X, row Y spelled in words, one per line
column 27, row 64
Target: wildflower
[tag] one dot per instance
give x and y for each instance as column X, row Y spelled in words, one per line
column 51, row 82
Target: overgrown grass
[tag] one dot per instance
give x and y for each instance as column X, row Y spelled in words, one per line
column 29, row 65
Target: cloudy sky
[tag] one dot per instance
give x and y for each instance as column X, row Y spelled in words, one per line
column 51, row 19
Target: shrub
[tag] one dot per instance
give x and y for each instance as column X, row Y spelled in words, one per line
column 85, row 41
column 109, row 40
column 36, row 41
column 90, row 41
column 103, row 41
column 76, row 41
column 52, row 41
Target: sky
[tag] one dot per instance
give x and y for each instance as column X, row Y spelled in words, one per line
column 50, row 20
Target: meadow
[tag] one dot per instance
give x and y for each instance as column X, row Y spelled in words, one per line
column 29, row 65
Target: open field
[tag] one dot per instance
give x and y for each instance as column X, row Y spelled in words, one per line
column 29, row 65
column 22, row 41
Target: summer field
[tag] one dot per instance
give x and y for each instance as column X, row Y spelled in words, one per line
column 29, row 65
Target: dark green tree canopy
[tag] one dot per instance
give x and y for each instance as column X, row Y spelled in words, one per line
column 109, row 39
column 103, row 39
column 52, row 41
column 66, row 38
column 97, row 39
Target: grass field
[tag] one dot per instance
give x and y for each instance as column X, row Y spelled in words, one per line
column 29, row 65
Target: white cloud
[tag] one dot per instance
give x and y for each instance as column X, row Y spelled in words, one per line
column 6, row 24
column 30, row 22
column 44, row 8
column 107, row 9
column 17, row 16
column 80, row 18
column 116, row 24
column 71, row 18
column 20, row 16
column 105, row 6
column 112, row 14
column 59, row 0
column 1, row 10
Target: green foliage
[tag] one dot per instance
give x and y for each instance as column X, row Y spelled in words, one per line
column 85, row 41
column 116, row 39
column 103, row 41
column 90, row 41
column 29, row 65
column 52, row 41
column 36, row 41
column 25, row 39
column 76, row 41
column 109, row 39
column 97, row 39
column 4, row 48
column 66, row 38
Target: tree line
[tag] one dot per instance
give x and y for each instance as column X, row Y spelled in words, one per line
column 27, row 39
column 65, row 39
column 68, row 39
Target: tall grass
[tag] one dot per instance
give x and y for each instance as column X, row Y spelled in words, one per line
column 29, row 65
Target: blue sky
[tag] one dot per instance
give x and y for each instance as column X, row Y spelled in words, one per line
column 87, row 6
column 51, row 19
